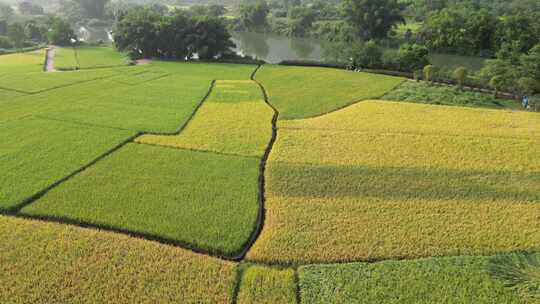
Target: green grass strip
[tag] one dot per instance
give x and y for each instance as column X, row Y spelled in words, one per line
column 456, row 280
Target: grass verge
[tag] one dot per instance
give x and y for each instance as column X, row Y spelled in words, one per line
column 456, row 280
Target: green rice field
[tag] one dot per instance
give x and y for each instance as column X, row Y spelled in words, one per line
column 194, row 182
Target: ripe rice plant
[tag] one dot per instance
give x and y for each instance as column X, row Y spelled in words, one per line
column 300, row 92
column 453, row 280
column 198, row 199
column 234, row 120
column 53, row 263
column 260, row 285
column 394, row 188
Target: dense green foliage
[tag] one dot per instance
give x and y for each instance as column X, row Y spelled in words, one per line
column 90, row 266
column 373, row 19
column 299, row 92
column 444, row 95
column 431, row 281
column 519, row 271
column 143, row 32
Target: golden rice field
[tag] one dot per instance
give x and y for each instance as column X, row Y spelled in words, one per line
column 383, row 180
column 52, row 263
column 265, row 285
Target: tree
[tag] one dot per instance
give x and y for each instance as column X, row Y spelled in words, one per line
column 93, row 8
column 367, row 55
column 531, row 63
column 300, row 20
column 16, row 34
column 373, row 19
column 137, row 32
column 253, row 15
column 527, row 86
column 60, row 32
column 210, row 37
column 412, row 57
column 517, row 29
column 460, row 74
column 429, row 73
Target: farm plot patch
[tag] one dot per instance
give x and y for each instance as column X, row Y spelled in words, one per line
column 200, row 199
column 88, row 57
column 234, row 120
column 418, row 92
column 260, row 285
column 35, row 153
column 51, row 263
column 453, row 280
column 339, row 194
column 21, row 63
column 300, row 92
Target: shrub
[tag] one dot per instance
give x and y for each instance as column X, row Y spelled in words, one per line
column 496, row 83
column 367, row 55
column 411, row 57
column 527, row 86
column 460, row 74
column 429, row 73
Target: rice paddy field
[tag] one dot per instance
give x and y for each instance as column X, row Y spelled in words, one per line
column 218, row 183
column 88, row 57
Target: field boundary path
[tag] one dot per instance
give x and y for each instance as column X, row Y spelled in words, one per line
column 49, row 59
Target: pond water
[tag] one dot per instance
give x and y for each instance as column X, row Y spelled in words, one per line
column 274, row 48
column 95, row 34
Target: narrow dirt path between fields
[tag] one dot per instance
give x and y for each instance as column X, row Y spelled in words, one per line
column 49, row 60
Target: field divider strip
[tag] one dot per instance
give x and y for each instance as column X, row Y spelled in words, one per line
column 297, row 290
column 238, row 282
column 78, row 123
column 259, row 224
column 197, row 150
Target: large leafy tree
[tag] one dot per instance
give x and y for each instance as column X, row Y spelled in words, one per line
column 373, row 19
column 253, row 15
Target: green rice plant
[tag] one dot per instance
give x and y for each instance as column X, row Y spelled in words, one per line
column 88, row 57
column 518, row 271
column 53, row 263
column 21, row 63
column 383, row 180
column 300, row 92
column 260, row 285
column 35, row 153
column 442, row 95
column 234, row 120
column 204, row 200
column 456, row 280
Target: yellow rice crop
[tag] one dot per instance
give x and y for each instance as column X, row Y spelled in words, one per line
column 52, row 263
column 366, row 183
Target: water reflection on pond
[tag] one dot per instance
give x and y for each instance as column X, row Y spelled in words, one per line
column 274, row 48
